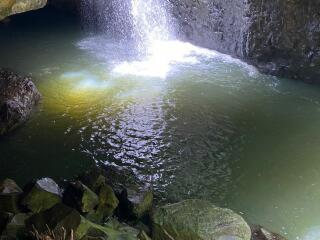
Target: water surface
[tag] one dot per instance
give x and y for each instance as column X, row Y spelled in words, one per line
column 191, row 122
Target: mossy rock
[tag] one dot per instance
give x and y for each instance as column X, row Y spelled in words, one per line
column 135, row 203
column 108, row 202
column 198, row 220
column 261, row 233
column 10, row 194
column 42, row 195
column 79, row 196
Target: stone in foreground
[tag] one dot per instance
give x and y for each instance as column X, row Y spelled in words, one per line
column 198, row 220
column 18, row 96
column 44, row 194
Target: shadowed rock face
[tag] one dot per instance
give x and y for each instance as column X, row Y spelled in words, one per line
column 280, row 37
column 11, row 7
column 18, row 96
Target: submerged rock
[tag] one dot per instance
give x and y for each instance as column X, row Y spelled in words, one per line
column 18, row 96
column 260, row 233
column 197, row 219
column 10, row 193
column 80, row 197
column 43, row 194
column 10, row 7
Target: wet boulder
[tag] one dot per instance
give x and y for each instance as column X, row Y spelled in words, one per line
column 42, row 195
column 79, row 196
column 197, row 219
column 10, row 193
column 108, row 202
column 261, row 233
column 135, row 203
column 18, row 96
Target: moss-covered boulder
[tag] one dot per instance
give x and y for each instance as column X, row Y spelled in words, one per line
column 10, row 193
column 198, row 220
column 136, row 203
column 42, row 195
column 108, row 202
column 10, row 7
column 16, row 228
column 261, row 233
column 79, row 196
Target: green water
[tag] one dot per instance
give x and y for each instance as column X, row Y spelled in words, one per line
column 213, row 128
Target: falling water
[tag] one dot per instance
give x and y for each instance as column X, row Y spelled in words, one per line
column 143, row 22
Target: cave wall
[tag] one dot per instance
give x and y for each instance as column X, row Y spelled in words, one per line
column 280, row 37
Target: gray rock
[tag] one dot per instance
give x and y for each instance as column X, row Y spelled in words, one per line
column 279, row 37
column 18, row 96
column 197, row 219
column 44, row 194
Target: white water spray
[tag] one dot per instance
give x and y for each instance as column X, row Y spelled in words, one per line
column 145, row 29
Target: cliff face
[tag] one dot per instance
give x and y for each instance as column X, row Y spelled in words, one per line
column 11, row 7
column 280, row 37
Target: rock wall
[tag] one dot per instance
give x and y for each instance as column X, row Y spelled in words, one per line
column 280, row 37
column 11, row 7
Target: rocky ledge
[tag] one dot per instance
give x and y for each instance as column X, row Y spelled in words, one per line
column 11, row 7
column 18, row 96
column 111, row 204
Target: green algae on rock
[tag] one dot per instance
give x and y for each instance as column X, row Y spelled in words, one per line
column 44, row 194
column 198, row 220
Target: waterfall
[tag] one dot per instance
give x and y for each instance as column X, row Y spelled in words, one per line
column 141, row 21
column 144, row 30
